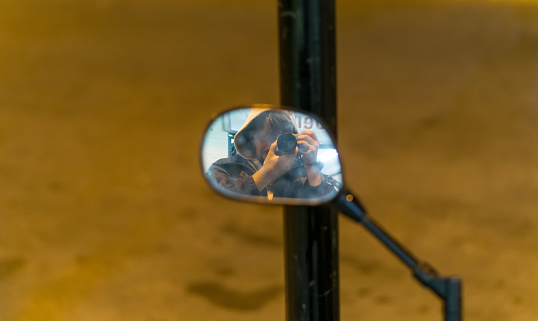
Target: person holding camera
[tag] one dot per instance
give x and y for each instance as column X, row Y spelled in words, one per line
column 260, row 169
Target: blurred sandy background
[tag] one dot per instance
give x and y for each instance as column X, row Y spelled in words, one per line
column 104, row 214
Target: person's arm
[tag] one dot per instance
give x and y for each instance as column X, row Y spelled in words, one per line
column 273, row 167
column 314, row 174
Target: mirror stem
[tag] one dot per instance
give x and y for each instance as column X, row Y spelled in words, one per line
column 448, row 288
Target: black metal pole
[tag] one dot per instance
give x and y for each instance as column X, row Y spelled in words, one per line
column 308, row 82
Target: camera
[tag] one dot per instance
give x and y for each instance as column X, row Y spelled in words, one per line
column 285, row 143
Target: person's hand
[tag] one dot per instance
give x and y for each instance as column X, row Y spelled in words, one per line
column 274, row 166
column 308, row 145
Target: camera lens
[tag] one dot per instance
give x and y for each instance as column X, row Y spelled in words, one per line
column 286, row 143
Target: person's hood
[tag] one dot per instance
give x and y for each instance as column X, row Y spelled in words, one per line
column 245, row 145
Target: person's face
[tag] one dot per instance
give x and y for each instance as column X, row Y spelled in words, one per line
column 263, row 145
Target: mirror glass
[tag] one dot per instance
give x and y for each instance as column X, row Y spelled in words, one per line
column 271, row 155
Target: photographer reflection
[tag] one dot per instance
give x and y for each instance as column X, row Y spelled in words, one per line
column 259, row 169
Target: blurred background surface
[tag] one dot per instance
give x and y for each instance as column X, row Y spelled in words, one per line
column 104, row 214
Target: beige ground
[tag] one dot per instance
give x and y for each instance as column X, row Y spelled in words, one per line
column 104, row 214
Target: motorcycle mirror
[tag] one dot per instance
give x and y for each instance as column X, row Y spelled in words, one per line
column 271, row 154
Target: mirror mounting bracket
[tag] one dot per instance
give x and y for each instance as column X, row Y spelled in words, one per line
column 447, row 289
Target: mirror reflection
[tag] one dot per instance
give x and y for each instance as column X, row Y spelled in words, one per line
column 271, row 155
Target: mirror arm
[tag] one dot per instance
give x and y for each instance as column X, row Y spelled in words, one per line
column 446, row 288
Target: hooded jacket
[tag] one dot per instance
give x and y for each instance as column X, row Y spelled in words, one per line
column 234, row 174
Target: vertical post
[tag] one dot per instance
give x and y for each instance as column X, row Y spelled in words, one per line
column 308, row 82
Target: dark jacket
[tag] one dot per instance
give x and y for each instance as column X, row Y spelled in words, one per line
column 235, row 175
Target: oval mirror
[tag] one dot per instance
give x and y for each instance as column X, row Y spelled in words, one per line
column 272, row 155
